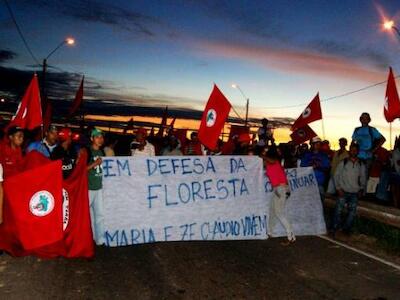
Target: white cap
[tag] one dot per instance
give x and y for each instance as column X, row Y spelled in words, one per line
column 316, row 139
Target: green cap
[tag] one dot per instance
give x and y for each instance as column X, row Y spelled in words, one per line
column 96, row 132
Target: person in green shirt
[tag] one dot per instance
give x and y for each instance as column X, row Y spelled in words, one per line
column 95, row 180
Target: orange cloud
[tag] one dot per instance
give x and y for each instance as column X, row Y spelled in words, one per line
column 290, row 60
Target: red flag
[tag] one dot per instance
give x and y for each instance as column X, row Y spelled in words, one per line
column 35, row 208
column 237, row 130
column 29, row 112
column 73, row 217
column 310, row 114
column 302, row 135
column 391, row 109
column 214, row 117
column 130, row 125
column 78, row 238
column 171, row 126
column 78, row 99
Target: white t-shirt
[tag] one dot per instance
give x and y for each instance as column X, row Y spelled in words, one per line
column 1, row 173
column 148, row 150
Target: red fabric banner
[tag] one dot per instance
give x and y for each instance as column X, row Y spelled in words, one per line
column 78, row 99
column 391, row 108
column 213, row 119
column 35, row 208
column 71, row 234
column 302, row 135
column 29, row 112
column 310, row 114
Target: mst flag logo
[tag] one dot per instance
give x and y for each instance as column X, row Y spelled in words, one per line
column 211, row 117
column 306, row 113
column 41, row 204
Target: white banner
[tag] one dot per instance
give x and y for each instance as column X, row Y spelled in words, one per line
column 187, row 198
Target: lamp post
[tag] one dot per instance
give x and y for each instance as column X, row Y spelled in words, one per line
column 236, row 86
column 389, row 25
column 67, row 41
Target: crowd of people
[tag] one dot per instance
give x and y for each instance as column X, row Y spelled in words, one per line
column 365, row 170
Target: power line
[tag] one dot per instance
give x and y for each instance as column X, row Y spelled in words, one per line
column 20, row 33
column 333, row 97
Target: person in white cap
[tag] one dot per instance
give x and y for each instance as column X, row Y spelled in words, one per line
column 320, row 162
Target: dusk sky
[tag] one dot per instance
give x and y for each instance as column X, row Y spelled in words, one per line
column 157, row 53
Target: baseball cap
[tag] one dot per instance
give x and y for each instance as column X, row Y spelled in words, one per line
column 96, row 132
column 64, row 133
column 52, row 127
column 316, row 139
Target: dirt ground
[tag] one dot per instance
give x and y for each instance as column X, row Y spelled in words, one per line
column 311, row 268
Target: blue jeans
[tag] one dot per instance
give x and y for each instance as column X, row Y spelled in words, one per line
column 96, row 204
column 351, row 199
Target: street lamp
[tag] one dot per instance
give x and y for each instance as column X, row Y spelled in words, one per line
column 389, row 25
column 236, row 86
column 68, row 41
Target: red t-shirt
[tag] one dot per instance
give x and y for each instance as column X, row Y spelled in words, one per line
column 276, row 174
column 10, row 159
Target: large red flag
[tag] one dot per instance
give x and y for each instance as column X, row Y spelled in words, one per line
column 302, row 135
column 34, row 210
column 78, row 238
column 214, row 117
column 391, row 109
column 74, row 220
column 78, row 99
column 310, row 114
column 29, row 112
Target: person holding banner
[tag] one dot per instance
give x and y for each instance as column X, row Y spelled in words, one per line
column 320, row 163
column 95, row 181
column 280, row 194
column 48, row 144
column 11, row 152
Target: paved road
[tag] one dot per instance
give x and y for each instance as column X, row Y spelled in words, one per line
column 311, row 269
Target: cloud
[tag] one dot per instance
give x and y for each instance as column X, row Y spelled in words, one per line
column 108, row 14
column 6, row 55
column 356, row 52
column 290, row 60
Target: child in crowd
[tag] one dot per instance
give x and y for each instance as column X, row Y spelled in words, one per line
column 280, row 193
column 95, row 179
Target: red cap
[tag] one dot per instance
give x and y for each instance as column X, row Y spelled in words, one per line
column 64, row 134
column 75, row 136
column 142, row 131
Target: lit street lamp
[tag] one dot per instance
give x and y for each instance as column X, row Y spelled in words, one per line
column 67, row 41
column 389, row 25
column 236, row 86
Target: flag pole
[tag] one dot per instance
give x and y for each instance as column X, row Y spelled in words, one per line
column 390, row 135
column 323, row 129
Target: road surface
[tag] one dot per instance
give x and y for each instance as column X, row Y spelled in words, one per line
column 312, row 268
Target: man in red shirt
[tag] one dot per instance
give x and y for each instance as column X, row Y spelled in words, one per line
column 11, row 152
